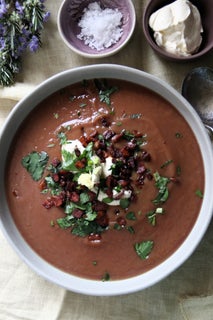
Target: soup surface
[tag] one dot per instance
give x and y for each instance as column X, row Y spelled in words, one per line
column 138, row 212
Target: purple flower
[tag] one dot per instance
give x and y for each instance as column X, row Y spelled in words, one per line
column 19, row 8
column 34, row 44
column 3, row 8
column 46, row 16
column 2, row 43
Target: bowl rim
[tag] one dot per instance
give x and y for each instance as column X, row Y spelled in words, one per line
column 159, row 50
column 97, row 54
column 147, row 279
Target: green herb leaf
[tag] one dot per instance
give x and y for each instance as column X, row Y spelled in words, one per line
column 117, row 227
column 65, row 222
column 124, row 203
column 166, row 163
column 106, row 277
column 199, row 193
column 161, row 184
column 178, row 135
column 152, row 215
column 35, row 163
column 62, row 137
column 130, row 229
column 82, row 227
column 107, row 200
column 178, row 171
column 131, row 216
column 144, row 248
column 105, row 91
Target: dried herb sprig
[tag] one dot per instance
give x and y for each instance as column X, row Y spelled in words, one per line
column 21, row 23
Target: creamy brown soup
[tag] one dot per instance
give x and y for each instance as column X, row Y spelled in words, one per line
column 77, row 111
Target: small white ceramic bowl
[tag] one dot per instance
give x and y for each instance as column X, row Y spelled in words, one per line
column 70, row 13
column 117, row 287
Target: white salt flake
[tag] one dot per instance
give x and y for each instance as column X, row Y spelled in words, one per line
column 100, row 28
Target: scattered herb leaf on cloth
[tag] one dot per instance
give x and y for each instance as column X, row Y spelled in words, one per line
column 21, row 23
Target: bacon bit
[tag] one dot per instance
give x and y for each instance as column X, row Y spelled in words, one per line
column 92, row 195
column 174, row 179
column 81, row 163
column 42, row 185
column 137, row 134
column 97, row 144
column 83, row 140
column 149, row 176
column 111, row 182
column 77, row 213
column 100, row 214
column 117, row 137
column 99, row 206
column 74, row 197
column 94, row 237
column 108, row 134
column 103, row 221
column 77, row 152
column 93, row 135
column 123, row 183
column 57, row 200
column 125, row 151
column 48, row 203
column 15, row 193
column 105, row 122
column 141, row 169
column 146, row 156
column 55, row 162
column 55, row 177
column 121, row 221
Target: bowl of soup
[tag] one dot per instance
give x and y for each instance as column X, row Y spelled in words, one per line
column 107, row 176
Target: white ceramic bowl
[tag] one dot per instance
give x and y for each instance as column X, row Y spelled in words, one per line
column 91, row 287
column 68, row 18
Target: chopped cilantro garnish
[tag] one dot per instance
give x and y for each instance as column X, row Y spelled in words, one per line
column 104, row 96
column 107, row 200
column 124, row 203
column 83, row 227
column 199, row 193
column 166, row 163
column 62, row 137
column 161, row 184
column 117, row 226
column 106, row 277
column 35, row 163
column 178, row 171
column 105, row 91
column 144, row 248
column 130, row 229
column 56, row 115
column 131, row 216
column 178, row 135
column 152, row 215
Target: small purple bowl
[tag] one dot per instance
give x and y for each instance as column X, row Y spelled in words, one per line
column 70, row 13
column 205, row 8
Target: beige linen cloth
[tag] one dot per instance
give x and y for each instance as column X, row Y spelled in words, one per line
column 186, row 294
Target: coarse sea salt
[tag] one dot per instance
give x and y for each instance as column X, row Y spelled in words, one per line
column 100, row 28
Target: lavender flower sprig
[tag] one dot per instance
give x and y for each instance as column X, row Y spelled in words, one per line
column 21, row 23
